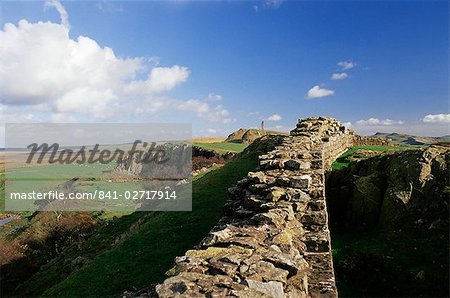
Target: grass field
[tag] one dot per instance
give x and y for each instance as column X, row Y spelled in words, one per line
column 357, row 254
column 346, row 158
column 149, row 242
column 222, row 147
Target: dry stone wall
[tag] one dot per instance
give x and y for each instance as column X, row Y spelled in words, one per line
column 363, row 140
column 273, row 240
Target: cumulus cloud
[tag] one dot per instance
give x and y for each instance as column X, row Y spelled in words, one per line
column 346, row 64
column 437, row 118
column 63, row 118
column 376, row 121
column 205, row 111
column 41, row 64
column 65, row 78
column 339, row 76
column 347, row 124
column 160, row 79
column 317, row 92
column 214, row 97
column 274, row 117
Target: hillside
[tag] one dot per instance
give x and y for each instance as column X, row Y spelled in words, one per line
column 114, row 253
column 106, row 262
column 361, row 152
column 247, row 136
column 221, row 147
column 405, row 139
column 208, row 140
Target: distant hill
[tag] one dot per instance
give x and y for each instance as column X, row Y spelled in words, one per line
column 208, row 140
column 247, row 136
column 405, row 139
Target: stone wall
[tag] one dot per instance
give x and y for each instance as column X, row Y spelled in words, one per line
column 363, row 140
column 273, row 240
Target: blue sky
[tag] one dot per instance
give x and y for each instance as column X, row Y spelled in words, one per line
column 226, row 65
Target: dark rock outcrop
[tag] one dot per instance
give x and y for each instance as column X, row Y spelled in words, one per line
column 382, row 190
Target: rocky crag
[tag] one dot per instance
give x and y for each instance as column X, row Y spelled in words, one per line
column 381, row 191
column 389, row 219
column 177, row 162
column 273, row 240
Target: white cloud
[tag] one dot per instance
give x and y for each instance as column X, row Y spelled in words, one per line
column 376, row 121
column 347, row 124
column 214, row 97
column 205, row 111
column 274, row 117
column 437, row 118
column 41, row 64
column 339, row 76
column 253, row 114
column 64, row 79
column 317, row 92
column 63, row 118
column 160, row 79
column 346, row 64
column 18, row 114
column 60, row 9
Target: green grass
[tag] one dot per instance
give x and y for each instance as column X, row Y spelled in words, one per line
column 346, row 158
column 150, row 242
column 222, row 147
column 385, row 264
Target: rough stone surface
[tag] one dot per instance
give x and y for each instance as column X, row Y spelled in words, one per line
column 385, row 190
column 274, row 239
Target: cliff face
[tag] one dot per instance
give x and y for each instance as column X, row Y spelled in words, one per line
column 389, row 221
column 164, row 161
column 382, row 191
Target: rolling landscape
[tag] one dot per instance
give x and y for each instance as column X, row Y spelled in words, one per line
column 62, row 253
column 242, row 149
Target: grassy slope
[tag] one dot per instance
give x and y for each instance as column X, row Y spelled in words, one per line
column 151, row 241
column 222, row 147
column 345, row 159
